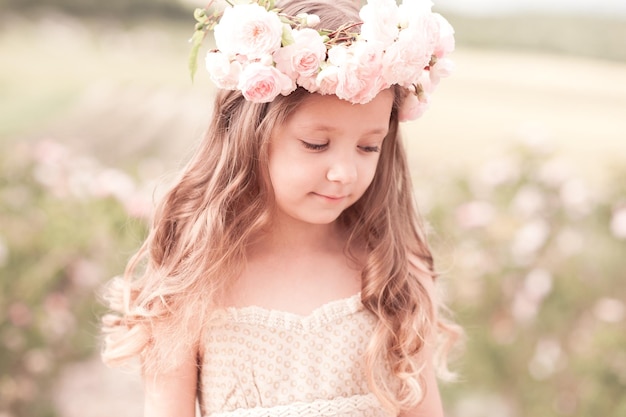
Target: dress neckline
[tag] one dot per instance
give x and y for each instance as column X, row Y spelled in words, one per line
column 263, row 316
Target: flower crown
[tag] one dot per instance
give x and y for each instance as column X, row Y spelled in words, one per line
column 263, row 52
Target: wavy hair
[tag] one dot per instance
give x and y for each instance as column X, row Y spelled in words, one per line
column 197, row 244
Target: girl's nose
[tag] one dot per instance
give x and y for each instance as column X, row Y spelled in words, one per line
column 342, row 170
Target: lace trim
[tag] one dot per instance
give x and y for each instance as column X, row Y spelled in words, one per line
column 260, row 316
column 355, row 406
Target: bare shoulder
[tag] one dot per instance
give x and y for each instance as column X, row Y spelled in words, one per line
column 431, row 405
column 174, row 392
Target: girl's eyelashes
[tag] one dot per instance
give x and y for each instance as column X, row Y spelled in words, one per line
column 370, row 148
column 323, row 146
column 315, row 146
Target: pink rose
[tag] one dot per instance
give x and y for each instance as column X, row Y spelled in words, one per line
column 348, row 83
column 399, row 66
column 443, row 68
column 249, row 30
column 359, row 65
column 405, row 60
column 262, row 83
column 304, row 56
column 426, row 84
column 223, row 72
column 411, row 108
column 445, row 43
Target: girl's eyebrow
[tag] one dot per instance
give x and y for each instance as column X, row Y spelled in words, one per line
column 329, row 129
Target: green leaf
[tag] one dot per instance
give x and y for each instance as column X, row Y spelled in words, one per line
column 196, row 43
column 200, row 15
column 287, row 38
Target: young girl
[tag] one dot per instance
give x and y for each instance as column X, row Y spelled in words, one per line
column 287, row 272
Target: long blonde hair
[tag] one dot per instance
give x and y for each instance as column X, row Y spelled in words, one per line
column 200, row 230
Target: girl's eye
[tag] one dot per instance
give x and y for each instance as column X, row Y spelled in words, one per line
column 315, row 146
column 370, row 148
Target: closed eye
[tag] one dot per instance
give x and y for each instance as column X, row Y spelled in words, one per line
column 370, row 148
column 314, row 146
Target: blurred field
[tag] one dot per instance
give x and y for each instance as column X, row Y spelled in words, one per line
column 116, row 101
column 576, row 105
column 110, row 83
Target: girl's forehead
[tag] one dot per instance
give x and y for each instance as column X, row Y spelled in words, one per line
column 328, row 113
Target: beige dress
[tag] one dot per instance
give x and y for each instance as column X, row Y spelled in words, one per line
column 259, row 362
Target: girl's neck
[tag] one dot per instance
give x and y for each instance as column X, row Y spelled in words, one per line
column 290, row 236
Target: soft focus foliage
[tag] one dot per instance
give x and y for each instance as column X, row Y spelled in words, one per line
column 66, row 224
column 534, row 262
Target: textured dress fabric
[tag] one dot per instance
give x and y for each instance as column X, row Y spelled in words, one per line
column 259, row 362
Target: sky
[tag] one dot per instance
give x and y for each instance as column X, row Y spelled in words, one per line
column 495, row 7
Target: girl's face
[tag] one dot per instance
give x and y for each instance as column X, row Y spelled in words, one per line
column 323, row 158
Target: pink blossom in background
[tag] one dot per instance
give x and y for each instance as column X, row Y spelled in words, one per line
column 20, row 315
column 38, row 361
column 529, row 239
column 529, row 201
column 547, row 358
column 528, row 299
column 4, row 252
column 570, row 242
column 475, row 214
column 500, row 171
column 111, row 182
column 618, row 222
column 576, row 198
column 555, row 171
column 610, row 310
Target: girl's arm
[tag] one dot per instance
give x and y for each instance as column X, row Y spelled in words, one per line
column 431, row 405
column 174, row 393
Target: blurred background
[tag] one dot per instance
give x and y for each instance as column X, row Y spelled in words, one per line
column 519, row 166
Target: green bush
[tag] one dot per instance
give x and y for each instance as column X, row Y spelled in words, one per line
column 63, row 230
column 536, row 278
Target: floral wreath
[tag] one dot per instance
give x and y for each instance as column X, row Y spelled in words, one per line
column 263, row 52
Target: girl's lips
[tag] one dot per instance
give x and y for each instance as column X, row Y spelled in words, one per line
column 331, row 198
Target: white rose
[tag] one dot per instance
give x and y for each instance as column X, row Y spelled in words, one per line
column 380, row 21
column 326, row 80
column 249, row 30
column 412, row 9
column 223, row 72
